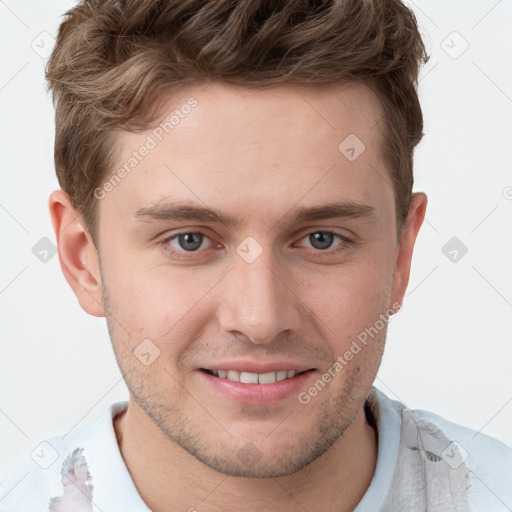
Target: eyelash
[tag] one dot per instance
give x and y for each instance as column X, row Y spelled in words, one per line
column 317, row 253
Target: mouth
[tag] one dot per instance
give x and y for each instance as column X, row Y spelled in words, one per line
column 259, row 386
column 254, row 378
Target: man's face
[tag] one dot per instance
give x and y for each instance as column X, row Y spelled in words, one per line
column 266, row 294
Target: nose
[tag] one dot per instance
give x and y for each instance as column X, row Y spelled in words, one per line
column 259, row 300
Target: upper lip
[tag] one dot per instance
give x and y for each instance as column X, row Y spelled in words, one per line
column 254, row 367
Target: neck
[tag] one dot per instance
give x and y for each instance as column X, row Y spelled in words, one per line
column 164, row 473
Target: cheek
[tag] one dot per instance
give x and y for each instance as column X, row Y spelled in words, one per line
column 351, row 299
column 155, row 302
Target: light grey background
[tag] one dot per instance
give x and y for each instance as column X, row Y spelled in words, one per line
column 448, row 351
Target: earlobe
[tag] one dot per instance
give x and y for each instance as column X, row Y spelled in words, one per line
column 410, row 231
column 77, row 253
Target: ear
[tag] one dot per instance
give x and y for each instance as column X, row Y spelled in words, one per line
column 404, row 256
column 77, row 253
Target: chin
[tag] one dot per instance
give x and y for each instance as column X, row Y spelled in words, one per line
column 249, row 462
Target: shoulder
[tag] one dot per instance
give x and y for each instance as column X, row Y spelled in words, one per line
column 58, row 472
column 464, row 460
column 488, row 459
column 476, row 447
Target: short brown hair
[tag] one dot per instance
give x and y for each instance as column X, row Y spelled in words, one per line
column 115, row 60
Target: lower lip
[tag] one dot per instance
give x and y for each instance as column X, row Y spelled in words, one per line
column 260, row 394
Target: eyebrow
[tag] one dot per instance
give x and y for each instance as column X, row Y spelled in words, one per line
column 181, row 211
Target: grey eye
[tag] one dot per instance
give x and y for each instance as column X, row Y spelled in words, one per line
column 321, row 239
column 190, row 241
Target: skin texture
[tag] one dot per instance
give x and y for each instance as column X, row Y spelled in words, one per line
column 258, row 156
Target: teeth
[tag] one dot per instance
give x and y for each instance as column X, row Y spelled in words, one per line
column 281, row 375
column 233, row 375
column 254, row 378
column 249, row 378
column 267, row 378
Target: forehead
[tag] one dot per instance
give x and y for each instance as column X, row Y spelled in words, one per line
column 255, row 151
column 238, row 119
